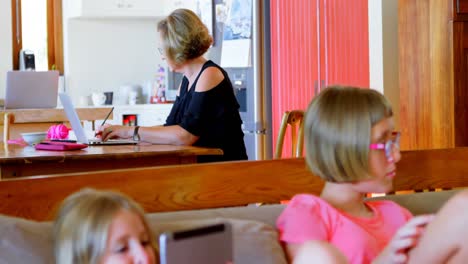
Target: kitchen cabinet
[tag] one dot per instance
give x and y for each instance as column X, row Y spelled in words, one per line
column 195, row 6
column 147, row 114
column 171, row 5
column 116, row 8
column 433, row 59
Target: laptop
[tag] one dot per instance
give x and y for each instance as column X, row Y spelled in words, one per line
column 79, row 130
column 208, row 245
column 31, row 89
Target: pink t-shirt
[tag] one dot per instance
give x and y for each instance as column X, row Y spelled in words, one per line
column 308, row 217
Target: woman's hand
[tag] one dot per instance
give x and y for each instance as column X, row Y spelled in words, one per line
column 98, row 133
column 111, row 131
column 396, row 252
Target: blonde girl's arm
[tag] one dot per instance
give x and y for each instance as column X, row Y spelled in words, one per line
column 405, row 239
column 315, row 251
column 291, row 250
column 445, row 238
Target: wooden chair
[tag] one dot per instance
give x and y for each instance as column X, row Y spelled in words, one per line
column 293, row 119
column 6, row 119
column 36, row 120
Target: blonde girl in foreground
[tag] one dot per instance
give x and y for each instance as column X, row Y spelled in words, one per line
column 99, row 227
column 350, row 142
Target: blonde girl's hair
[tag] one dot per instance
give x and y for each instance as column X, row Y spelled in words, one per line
column 184, row 36
column 337, row 132
column 81, row 227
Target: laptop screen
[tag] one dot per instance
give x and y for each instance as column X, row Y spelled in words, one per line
column 31, row 89
column 73, row 118
column 78, row 128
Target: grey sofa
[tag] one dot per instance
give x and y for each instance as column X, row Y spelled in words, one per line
column 255, row 237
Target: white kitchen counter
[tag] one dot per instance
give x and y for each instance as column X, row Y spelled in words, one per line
column 147, row 114
column 144, row 107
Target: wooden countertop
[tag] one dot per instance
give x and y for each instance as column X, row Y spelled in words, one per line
column 11, row 153
column 19, row 161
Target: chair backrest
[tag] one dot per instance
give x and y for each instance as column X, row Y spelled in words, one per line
column 34, row 120
column 293, row 119
column 6, row 119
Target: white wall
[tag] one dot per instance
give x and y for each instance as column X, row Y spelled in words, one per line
column 5, row 44
column 375, row 45
column 100, row 55
column 103, row 54
column 383, row 51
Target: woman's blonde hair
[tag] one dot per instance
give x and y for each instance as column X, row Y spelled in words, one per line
column 82, row 224
column 337, row 132
column 184, row 36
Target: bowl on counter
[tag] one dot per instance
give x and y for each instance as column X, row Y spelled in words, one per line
column 34, row 137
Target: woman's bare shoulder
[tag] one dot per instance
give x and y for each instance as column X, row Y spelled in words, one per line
column 209, row 78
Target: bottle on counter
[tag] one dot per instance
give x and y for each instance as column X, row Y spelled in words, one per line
column 162, row 94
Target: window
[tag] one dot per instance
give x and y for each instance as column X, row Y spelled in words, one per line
column 37, row 26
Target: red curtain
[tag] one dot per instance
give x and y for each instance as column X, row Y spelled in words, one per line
column 315, row 43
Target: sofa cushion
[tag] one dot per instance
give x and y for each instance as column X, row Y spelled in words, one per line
column 421, row 203
column 24, row 241
column 265, row 213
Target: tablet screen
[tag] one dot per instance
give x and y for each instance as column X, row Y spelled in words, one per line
column 208, row 245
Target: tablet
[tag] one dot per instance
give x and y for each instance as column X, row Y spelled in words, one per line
column 59, row 146
column 208, row 245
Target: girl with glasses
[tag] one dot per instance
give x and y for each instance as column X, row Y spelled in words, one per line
column 350, row 142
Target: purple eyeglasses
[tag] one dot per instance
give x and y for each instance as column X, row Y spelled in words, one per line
column 388, row 146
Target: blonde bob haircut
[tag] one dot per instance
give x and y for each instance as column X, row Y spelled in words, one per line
column 82, row 224
column 337, row 132
column 184, row 36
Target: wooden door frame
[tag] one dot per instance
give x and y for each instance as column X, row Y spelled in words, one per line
column 54, row 34
column 16, row 38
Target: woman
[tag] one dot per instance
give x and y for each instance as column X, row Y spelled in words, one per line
column 99, row 227
column 206, row 112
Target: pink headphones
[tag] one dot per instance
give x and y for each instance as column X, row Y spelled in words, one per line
column 58, row 132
